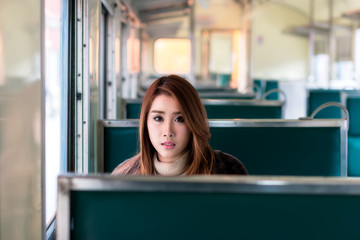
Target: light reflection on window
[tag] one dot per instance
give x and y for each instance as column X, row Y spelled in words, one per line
column 2, row 79
column 117, row 55
column 357, row 57
column 172, row 55
column 55, row 129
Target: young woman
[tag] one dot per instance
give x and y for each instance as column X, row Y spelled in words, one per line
column 174, row 135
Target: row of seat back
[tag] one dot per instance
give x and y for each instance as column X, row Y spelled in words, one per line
column 226, row 95
column 351, row 100
column 317, row 97
column 221, row 79
column 266, row 147
column 213, row 88
column 213, row 92
column 207, row 207
column 264, row 86
column 222, row 109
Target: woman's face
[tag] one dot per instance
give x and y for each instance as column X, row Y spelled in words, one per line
column 167, row 130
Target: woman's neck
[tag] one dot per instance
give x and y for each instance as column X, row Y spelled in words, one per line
column 171, row 169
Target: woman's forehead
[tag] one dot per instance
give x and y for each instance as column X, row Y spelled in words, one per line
column 164, row 102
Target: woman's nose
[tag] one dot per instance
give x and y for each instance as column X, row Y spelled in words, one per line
column 169, row 130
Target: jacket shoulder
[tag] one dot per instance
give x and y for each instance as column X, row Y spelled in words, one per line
column 228, row 164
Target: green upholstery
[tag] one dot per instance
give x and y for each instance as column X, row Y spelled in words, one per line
column 317, row 97
column 353, row 106
column 225, row 79
column 307, row 151
column 179, row 215
column 261, row 84
column 222, row 78
column 258, row 82
column 120, row 144
column 201, row 89
column 352, row 102
column 249, row 112
column 133, row 110
column 223, row 111
column 225, row 95
column 270, row 85
column 354, row 156
column 283, row 150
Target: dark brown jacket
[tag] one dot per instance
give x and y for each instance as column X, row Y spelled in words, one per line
column 224, row 164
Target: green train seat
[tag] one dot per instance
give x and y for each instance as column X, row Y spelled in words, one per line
column 207, row 207
column 223, row 109
column 352, row 102
column 315, row 147
column 317, row 97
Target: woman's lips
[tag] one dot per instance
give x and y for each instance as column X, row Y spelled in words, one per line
column 168, row 145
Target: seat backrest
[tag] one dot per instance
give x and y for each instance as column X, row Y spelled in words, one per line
column 207, row 207
column 266, row 147
column 269, row 85
column 317, row 97
column 223, row 109
column 351, row 100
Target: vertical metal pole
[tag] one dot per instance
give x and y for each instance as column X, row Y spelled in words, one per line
column 311, row 71
column 331, row 43
column 86, row 88
column 43, row 119
column 82, row 88
column 111, row 85
column 249, row 43
column 192, row 41
column 244, row 77
column 79, row 89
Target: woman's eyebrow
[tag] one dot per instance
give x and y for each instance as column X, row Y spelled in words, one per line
column 162, row 112
column 157, row 111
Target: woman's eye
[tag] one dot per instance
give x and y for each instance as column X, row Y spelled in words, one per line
column 158, row 118
column 179, row 119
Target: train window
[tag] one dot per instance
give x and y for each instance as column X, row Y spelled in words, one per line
column 343, row 74
column 357, row 57
column 172, row 55
column 224, row 64
column 56, row 99
column 130, row 52
column 133, row 52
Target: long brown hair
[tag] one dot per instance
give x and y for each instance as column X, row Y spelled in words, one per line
column 201, row 157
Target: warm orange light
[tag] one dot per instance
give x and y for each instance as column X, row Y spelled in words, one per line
column 172, row 55
column 117, row 55
column 235, row 59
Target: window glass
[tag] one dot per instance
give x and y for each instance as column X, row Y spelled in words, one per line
column 357, row 57
column 133, row 50
column 55, row 100
column 172, row 55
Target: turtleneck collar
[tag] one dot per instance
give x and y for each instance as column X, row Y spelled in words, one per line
column 171, row 169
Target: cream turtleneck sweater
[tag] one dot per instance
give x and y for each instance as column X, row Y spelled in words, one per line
column 171, row 169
